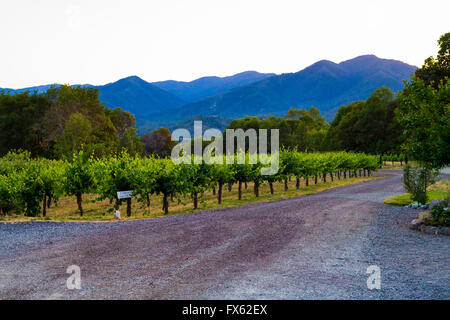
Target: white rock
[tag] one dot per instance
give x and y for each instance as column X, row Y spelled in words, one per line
column 414, row 224
column 117, row 214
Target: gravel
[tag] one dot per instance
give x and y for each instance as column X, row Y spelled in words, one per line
column 312, row 247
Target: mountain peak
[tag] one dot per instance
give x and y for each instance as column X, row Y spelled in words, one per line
column 132, row 79
column 209, row 86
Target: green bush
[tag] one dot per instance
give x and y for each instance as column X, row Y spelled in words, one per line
column 416, row 182
column 439, row 216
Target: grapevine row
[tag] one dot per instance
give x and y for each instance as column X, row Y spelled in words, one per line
column 30, row 185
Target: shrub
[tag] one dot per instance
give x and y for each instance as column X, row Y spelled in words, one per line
column 416, row 181
column 440, row 216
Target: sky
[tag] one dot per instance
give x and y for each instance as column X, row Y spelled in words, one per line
column 101, row 41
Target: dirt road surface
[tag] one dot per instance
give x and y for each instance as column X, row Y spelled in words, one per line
column 311, row 247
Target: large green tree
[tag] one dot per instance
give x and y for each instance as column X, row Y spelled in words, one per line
column 425, row 109
column 19, row 117
column 435, row 70
column 369, row 126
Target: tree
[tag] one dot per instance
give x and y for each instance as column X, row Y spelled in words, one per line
column 370, row 126
column 167, row 181
column 425, row 115
column 222, row 174
column 67, row 100
column 76, row 135
column 122, row 120
column 115, row 174
column 198, row 178
column 19, row 117
column 435, row 70
column 425, row 109
column 131, row 142
column 79, row 178
column 158, row 142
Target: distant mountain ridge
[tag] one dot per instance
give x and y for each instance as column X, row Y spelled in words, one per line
column 137, row 96
column 325, row 84
column 209, row 86
column 143, row 98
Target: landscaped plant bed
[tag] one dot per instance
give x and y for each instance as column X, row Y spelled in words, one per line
column 436, row 221
column 420, row 226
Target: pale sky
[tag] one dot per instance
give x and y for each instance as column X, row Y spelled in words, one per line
column 101, row 41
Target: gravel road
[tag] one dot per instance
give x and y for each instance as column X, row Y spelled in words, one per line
column 311, row 247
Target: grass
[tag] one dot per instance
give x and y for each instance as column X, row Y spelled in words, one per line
column 396, row 164
column 66, row 209
column 435, row 191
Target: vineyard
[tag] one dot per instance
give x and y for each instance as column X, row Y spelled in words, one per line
column 32, row 186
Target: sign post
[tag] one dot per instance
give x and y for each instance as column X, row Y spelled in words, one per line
column 124, row 194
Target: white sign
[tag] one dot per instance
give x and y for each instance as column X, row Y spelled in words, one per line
column 124, row 194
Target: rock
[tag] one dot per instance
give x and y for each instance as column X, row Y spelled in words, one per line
column 434, row 203
column 424, row 206
column 414, row 205
column 117, row 214
column 444, row 231
column 432, row 230
column 414, row 224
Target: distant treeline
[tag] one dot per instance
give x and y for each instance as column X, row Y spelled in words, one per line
column 371, row 126
column 69, row 119
column 63, row 120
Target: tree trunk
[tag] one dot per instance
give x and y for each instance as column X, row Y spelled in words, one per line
column 245, row 185
column 331, row 175
column 194, row 195
column 271, row 187
column 307, row 181
column 129, row 207
column 324, row 177
column 315, row 179
column 240, row 190
column 339, row 175
column 219, row 193
column 230, row 187
column 297, row 183
column 256, row 188
column 44, row 206
column 345, row 174
column 171, row 197
column 148, row 200
column 214, row 191
column 165, row 204
column 49, row 202
column 285, row 184
column 79, row 203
